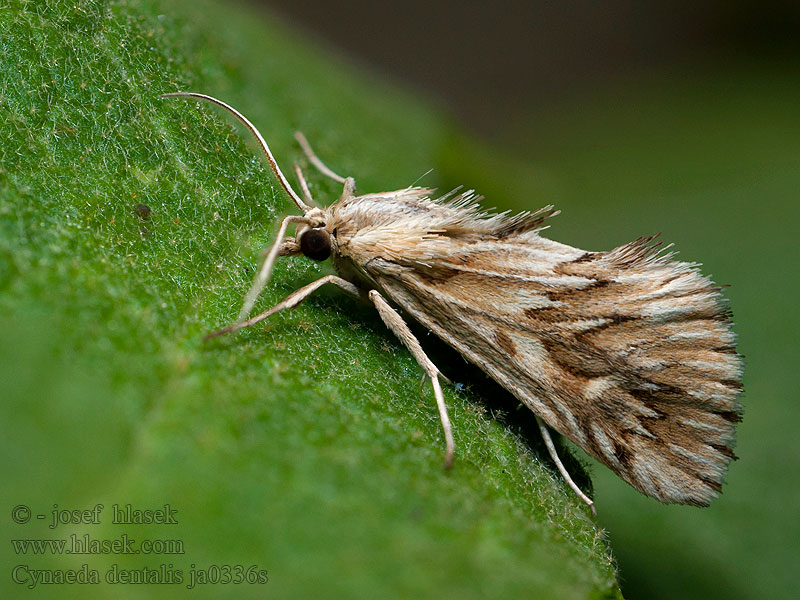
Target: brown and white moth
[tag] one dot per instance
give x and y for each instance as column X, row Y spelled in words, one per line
column 627, row 353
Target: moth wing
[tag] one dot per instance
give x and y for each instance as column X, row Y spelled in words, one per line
column 627, row 353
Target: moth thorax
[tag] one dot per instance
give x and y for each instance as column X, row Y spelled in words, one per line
column 316, row 244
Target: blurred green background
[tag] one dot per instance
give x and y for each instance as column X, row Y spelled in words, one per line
column 326, row 470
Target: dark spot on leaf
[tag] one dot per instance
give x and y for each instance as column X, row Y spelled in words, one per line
column 143, row 211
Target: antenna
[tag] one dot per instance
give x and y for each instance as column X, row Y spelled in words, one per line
column 271, row 159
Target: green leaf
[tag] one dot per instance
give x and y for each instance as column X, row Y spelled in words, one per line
column 306, row 447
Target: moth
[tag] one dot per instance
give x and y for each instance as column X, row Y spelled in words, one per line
column 628, row 353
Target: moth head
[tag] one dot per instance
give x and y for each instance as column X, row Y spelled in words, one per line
column 316, row 244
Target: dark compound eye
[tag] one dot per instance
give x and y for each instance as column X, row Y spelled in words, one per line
column 316, row 244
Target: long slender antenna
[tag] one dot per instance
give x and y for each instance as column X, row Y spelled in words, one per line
column 274, row 165
column 321, row 166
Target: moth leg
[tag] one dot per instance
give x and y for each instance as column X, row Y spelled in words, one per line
column 314, row 159
column 548, row 441
column 398, row 327
column 290, row 301
column 265, row 269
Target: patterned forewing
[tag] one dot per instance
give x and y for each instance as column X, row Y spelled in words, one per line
column 627, row 353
